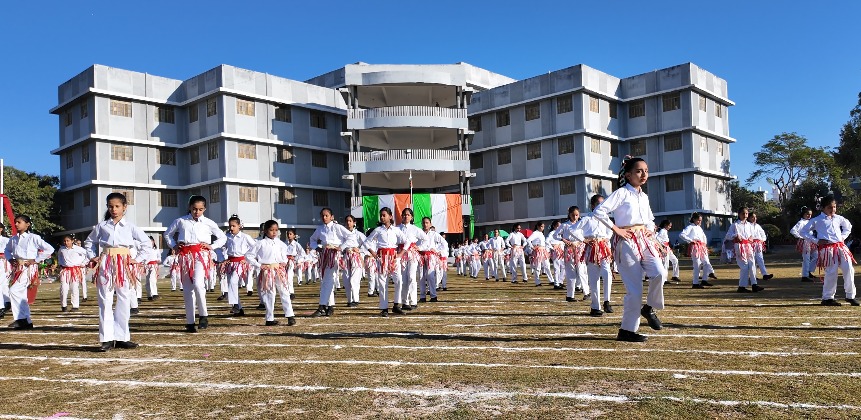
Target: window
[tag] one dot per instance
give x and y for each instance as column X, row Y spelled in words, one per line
column 596, row 146
column 638, row 148
column 637, row 109
column 85, row 112
column 85, row 154
column 536, row 189
column 286, row 196
column 477, row 197
column 194, row 155
column 121, row 109
column 533, row 112
column 211, row 107
column 192, row 113
column 165, row 115
column 285, row 155
column 247, row 151
column 505, row 194
column 346, row 160
column 718, row 110
column 614, row 149
column 475, row 124
column 244, row 107
column 120, row 152
column 283, row 113
column 69, row 201
column 321, row 198
column 566, row 145
column 318, row 119
column 703, row 103
column 167, row 199
column 533, row 151
column 564, row 104
column 167, row 157
column 215, row 194
column 248, row 194
column 720, row 148
column 594, row 104
column 566, row 186
column 212, row 150
column 130, row 195
column 674, row 183
column 671, row 102
column 706, row 184
column 318, row 159
column 672, row 142
column 476, row 161
column 614, row 110
column 87, row 197
column 503, row 156
column 67, row 118
column 503, row 118
column 70, row 160
column 704, row 143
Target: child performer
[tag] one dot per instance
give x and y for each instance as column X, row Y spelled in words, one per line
column 557, row 255
column 698, row 251
column 331, row 236
column 576, row 275
column 806, row 247
column 759, row 238
column 670, row 257
column 517, row 242
column 24, row 252
column 295, row 254
column 151, row 259
column 236, row 268
column 5, row 269
column 540, row 254
column 831, row 230
column 270, row 255
column 442, row 267
column 73, row 261
column 170, row 263
column 741, row 233
column 409, row 262
column 116, row 237
column 372, row 268
column 487, row 261
column 598, row 257
column 636, row 252
column 353, row 261
column 428, row 261
column 193, row 234
column 382, row 244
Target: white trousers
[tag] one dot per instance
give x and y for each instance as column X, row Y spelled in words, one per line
column 268, row 298
column 746, row 273
column 760, row 263
column 427, row 273
column 372, row 275
column 405, row 277
column 808, row 261
column 545, row 268
column 597, row 272
column 672, row 259
column 519, row 260
column 632, row 269
column 152, row 280
column 194, row 293
column 559, row 268
column 576, row 276
column 66, row 287
column 18, row 293
column 233, row 280
column 4, row 284
column 113, row 320
column 474, row 267
column 706, row 268
column 382, row 286
column 499, row 263
column 829, row 287
column 489, row 268
column 327, row 285
column 174, row 279
column 352, row 283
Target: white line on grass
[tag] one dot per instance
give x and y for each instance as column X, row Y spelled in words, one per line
column 468, row 396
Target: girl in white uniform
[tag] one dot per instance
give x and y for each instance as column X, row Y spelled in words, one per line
column 575, row 268
column 331, row 236
column 73, row 264
column 5, row 269
column 759, row 238
column 270, row 255
column 152, row 261
column 382, row 244
column 428, row 261
column 636, row 251
column 517, row 242
column 407, row 272
column 804, row 246
column 353, row 262
column 598, row 257
column 669, row 256
column 295, row 254
column 372, row 268
column 557, row 255
column 442, row 267
column 24, row 252
column 540, row 254
column 117, row 239
column 698, row 251
column 831, row 230
column 236, row 267
column 741, row 233
column 170, row 263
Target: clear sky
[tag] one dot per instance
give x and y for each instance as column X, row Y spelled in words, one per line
column 790, row 65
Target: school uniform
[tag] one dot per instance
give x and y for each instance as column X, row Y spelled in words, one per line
column 833, row 255
column 24, row 251
column 270, row 256
column 670, row 257
column 353, row 265
column 597, row 256
column 331, row 237
column 576, row 272
column 759, row 238
column 428, row 262
column 517, row 242
column 809, row 251
column 236, row 267
column 741, row 233
column 295, row 255
column 474, row 252
column 384, row 241
column 557, row 258
column 698, row 251
column 73, row 262
column 151, row 260
column 409, row 264
column 487, row 261
column 5, row 270
column 173, row 267
column 442, row 267
column 540, row 257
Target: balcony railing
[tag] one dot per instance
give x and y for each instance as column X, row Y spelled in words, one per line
column 384, row 155
column 407, row 111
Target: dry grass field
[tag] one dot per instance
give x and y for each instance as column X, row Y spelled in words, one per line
column 486, row 349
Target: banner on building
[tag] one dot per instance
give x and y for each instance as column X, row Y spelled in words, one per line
column 446, row 211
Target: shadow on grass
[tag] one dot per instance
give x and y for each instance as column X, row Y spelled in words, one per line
column 410, row 335
column 48, row 347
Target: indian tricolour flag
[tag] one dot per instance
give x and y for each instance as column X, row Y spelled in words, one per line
column 445, row 210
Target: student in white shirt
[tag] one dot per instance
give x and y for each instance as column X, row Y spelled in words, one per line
column 173, row 267
column 372, row 269
column 331, row 236
column 698, row 251
column 190, row 235
column 497, row 246
column 5, row 269
column 295, row 255
column 382, row 244
column 152, row 260
column 409, row 262
column 517, row 242
column 428, row 262
column 236, row 267
column 442, row 267
column 110, row 247
column 831, row 230
column 597, row 256
column 759, row 238
column 805, row 247
column 540, row 254
column 353, row 261
column 24, row 252
column 663, row 238
column 73, row 264
column 269, row 254
column 557, row 255
column 636, row 251
column 742, row 235
column 576, row 273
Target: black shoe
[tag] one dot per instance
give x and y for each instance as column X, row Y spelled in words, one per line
column 64, row 308
column 742, row 290
column 806, row 280
column 397, row 309
column 578, row 289
column 811, row 275
column 631, row 337
column 134, row 311
column 330, row 310
column 433, row 299
column 523, row 281
column 203, row 322
column 768, row 276
column 757, row 288
column 355, row 304
column 291, row 321
column 676, row 279
column 370, row 295
column 538, row 285
column 445, row 289
column 712, row 276
column 85, row 299
column 706, row 283
column 596, row 312
column 2, row 313
column 697, row 286
column 155, row 297
column 271, row 323
column 408, row 307
column 376, row 293
column 349, row 304
column 149, row 298
column 75, row 310
column 241, row 312
column 607, row 307
column 570, row 299
column 125, row 345
column 321, row 311
column 586, row 297
column 14, row 324
column 139, row 300
column 107, row 345
column 830, row 302
column 422, row 300
column 222, row 297
column 292, row 296
column 384, row 313
column 24, row 325
column 853, row 302
column 212, row 290
column 651, row 317
column 234, row 309
column 250, row 293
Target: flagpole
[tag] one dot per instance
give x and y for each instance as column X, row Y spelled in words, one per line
column 411, row 191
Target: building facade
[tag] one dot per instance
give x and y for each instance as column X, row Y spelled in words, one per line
column 263, row 147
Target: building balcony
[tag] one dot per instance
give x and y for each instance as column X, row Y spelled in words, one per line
column 409, row 160
column 407, row 116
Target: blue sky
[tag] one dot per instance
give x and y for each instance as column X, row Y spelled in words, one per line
column 790, row 66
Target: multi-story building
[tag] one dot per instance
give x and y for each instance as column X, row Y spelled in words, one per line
column 263, row 147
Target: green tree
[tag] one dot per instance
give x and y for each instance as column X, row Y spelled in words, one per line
column 34, row 195
column 740, row 196
column 849, row 151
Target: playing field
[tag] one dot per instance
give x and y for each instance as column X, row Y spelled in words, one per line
column 486, row 349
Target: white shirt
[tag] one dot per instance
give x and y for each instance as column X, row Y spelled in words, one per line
column 662, row 236
column 412, row 234
column 570, row 231
column 28, row 246
column 3, row 241
column 796, row 230
column 72, row 257
column 759, row 232
column 294, row 249
column 237, row 245
column 516, row 239
column 153, row 254
column 192, row 232
column 741, row 230
column 628, row 206
column 267, row 251
column 169, row 260
column 442, row 246
column 355, row 239
column 590, row 227
column 832, row 229
column 330, row 234
column 384, row 237
column 120, row 234
column 497, row 243
column 693, row 233
column 537, row 239
column 430, row 241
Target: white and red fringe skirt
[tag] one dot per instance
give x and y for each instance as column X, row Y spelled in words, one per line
column 270, row 275
column 190, row 254
column 698, row 250
column 597, row 251
column 832, row 254
column 72, row 274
